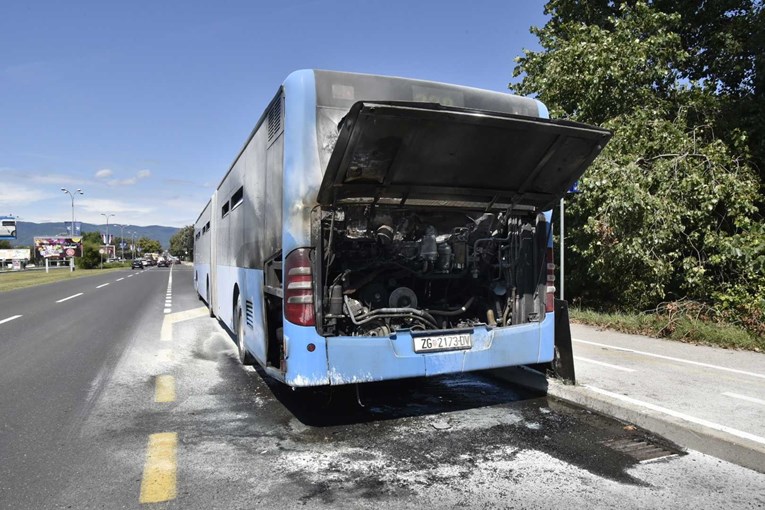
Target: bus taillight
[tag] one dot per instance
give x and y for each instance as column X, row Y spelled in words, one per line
column 298, row 288
column 550, row 297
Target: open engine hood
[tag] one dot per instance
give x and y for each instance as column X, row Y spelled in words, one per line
column 398, row 152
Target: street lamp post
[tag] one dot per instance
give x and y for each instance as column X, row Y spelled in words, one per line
column 122, row 240
column 107, row 230
column 78, row 192
column 132, row 235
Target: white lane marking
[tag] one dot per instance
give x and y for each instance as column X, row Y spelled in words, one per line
column 670, row 358
column 130, row 276
column 168, row 310
column 615, row 367
column 119, row 279
column 744, row 397
column 682, row 416
column 9, row 319
column 70, row 297
column 104, row 285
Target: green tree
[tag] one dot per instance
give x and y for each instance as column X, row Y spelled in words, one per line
column 182, row 242
column 5, row 245
column 669, row 210
column 149, row 245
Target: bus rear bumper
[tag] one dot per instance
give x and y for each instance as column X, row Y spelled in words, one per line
column 357, row 359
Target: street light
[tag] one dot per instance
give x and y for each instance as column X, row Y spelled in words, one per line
column 122, row 239
column 107, row 230
column 78, row 192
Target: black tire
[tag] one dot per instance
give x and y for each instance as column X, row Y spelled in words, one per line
column 244, row 356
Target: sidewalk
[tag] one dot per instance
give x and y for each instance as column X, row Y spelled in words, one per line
column 704, row 398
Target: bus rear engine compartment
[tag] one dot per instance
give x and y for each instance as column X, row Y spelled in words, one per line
column 385, row 269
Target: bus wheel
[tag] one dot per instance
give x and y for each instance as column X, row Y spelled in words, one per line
column 244, row 357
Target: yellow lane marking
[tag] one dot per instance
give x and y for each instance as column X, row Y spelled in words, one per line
column 159, row 472
column 164, row 389
column 166, row 334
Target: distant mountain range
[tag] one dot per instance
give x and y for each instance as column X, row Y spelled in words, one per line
column 26, row 232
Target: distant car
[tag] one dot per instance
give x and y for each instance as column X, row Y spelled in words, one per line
column 163, row 263
column 137, row 264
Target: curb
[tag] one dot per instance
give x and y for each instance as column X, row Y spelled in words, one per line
column 720, row 444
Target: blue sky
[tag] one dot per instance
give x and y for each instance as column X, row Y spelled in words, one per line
column 144, row 104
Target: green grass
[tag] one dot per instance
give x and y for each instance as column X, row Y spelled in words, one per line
column 12, row 280
column 678, row 327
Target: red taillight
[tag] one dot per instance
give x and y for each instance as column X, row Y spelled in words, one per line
column 298, row 288
column 550, row 298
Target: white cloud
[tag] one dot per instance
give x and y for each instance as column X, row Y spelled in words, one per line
column 123, row 182
column 130, row 181
column 104, row 173
column 14, row 194
column 105, row 205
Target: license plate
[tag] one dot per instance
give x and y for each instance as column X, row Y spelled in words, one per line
column 451, row 342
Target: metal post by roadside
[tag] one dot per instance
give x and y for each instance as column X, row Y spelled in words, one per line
column 71, row 232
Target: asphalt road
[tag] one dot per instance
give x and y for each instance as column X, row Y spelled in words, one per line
column 56, row 356
column 134, row 398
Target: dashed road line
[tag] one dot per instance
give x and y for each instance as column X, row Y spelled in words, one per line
column 70, row 297
column 670, row 358
column 160, row 470
column 609, row 365
column 9, row 319
column 103, row 285
column 164, row 390
column 119, row 279
column 682, row 416
column 744, row 397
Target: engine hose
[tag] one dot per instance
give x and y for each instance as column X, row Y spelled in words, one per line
column 390, row 312
column 450, row 313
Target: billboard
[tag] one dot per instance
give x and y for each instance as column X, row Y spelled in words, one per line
column 58, row 247
column 15, row 254
column 7, row 227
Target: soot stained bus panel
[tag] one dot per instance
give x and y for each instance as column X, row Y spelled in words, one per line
column 408, row 151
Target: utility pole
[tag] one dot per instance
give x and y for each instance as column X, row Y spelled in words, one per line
column 71, row 233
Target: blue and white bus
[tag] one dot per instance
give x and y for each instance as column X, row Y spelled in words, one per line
column 376, row 228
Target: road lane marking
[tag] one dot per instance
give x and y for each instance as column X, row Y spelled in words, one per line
column 70, row 297
column 670, row 358
column 168, row 310
column 159, row 472
column 119, row 279
column 166, row 333
column 615, row 367
column 682, row 416
column 9, row 319
column 744, row 397
column 130, row 276
column 164, row 390
column 104, row 285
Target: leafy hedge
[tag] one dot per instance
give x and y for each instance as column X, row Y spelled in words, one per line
column 669, row 211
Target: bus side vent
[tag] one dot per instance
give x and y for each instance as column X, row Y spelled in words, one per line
column 248, row 312
column 275, row 119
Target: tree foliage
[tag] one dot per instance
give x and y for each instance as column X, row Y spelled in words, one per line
column 182, row 242
column 149, row 245
column 670, row 209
